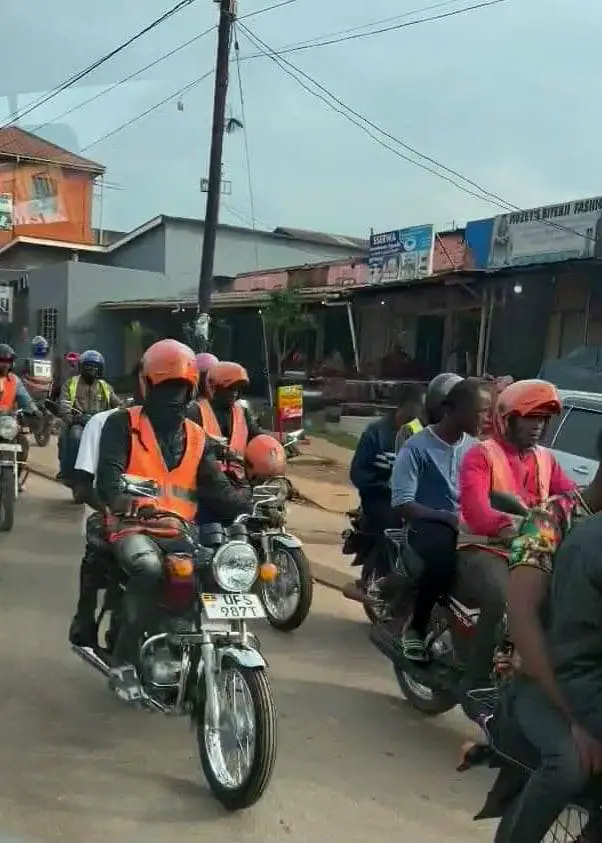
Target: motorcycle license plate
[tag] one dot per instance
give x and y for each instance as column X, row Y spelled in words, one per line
column 232, row 607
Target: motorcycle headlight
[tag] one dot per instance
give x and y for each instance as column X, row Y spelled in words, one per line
column 8, row 428
column 235, row 566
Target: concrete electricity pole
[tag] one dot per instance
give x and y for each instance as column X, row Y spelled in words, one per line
column 226, row 19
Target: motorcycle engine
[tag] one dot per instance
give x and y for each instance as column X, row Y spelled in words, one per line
column 160, row 667
column 441, row 647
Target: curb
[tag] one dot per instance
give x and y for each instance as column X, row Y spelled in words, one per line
column 322, row 574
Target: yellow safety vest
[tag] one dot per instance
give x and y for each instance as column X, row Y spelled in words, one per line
column 415, row 426
column 73, row 383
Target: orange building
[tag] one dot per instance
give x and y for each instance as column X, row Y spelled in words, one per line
column 45, row 191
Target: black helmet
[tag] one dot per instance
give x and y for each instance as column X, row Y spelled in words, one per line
column 436, row 393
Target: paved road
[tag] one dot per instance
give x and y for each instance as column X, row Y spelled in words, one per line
column 77, row 766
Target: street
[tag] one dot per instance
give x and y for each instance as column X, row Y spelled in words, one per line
column 77, row 765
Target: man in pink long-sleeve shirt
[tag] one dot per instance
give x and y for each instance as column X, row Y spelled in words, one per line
column 513, row 462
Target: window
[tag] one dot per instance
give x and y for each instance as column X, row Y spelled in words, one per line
column 47, row 324
column 43, row 187
column 579, row 433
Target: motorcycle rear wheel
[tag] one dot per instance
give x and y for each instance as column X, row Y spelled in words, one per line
column 252, row 788
column 426, row 700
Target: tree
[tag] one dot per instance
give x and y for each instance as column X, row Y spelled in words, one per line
column 287, row 319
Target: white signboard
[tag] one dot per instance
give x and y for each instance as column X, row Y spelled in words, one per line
column 548, row 234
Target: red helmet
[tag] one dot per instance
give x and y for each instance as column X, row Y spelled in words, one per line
column 265, row 457
column 527, row 398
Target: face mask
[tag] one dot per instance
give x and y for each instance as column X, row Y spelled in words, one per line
column 89, row 375
column 224, row 399
column 166, row 404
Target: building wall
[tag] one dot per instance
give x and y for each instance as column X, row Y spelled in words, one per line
column 61, row 209
column 146, row 252
column 89, row 326
column 48, row 288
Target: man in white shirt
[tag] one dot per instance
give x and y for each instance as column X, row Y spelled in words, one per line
column 82, row 631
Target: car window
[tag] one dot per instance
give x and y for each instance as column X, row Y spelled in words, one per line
column 579, row 433
column 552, row 428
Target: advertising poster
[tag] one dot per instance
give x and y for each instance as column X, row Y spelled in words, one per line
column 402, row 255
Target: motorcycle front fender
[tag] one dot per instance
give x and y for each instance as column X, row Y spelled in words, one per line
column 286, row 541
column 243, row 656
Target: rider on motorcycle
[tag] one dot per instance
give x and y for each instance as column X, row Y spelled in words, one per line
column 82, row 396
column 222, row 417
column 568, row 753
column 157, row 442
column 511, row 462
column 37, row 370
column 204, row 362
column 424, row 491
column 13, row 392
column 370, row 470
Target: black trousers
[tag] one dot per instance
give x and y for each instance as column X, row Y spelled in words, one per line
column 435, row 542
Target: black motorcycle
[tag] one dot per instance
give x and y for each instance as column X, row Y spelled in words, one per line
column 435, row 686
column 198, row 656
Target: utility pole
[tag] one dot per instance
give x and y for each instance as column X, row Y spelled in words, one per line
column 226, row 19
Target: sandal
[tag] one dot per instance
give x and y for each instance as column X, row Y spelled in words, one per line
column 414, row 647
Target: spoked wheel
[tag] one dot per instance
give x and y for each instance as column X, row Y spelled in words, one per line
column 7, row 499
column 238, row 757
column 376, row 608
column 570, row 827
column 288, row 598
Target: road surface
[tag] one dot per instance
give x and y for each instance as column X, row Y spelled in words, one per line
column 78, row 766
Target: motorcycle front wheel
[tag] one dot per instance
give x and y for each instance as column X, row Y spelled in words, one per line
column 287, row 600
column 7, row 499
column 247, row 731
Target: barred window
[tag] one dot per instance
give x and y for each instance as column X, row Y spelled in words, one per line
column 47, row 325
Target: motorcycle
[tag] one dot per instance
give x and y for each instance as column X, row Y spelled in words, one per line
column 434, row 687
column 288, row 597
column 510, row 752
column 375, row 556
column 80, row 419
column 291, row 443
column 48, row 425
column 13, row 471
column 199, row 657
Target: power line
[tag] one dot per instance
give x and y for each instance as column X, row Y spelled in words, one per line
column 246, row 141
column 267, row 9
column 126, row 78
column 366, row 125
column 394, row 27
column 148, row 111
column 81, row 74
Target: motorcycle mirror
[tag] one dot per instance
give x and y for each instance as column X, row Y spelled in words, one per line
column 505, row 502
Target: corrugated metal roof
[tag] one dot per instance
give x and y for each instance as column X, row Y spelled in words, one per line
column 324, row 238
column 17, row 143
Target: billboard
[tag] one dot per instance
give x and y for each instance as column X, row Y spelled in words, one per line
column 568, row 231
column 401, row 255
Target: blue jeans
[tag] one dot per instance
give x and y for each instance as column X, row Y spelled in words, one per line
column 557, row 781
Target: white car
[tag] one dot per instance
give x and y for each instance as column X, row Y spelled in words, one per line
column 573, row 435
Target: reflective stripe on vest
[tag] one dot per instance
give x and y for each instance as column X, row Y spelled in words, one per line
column 415, row 426
column 8, row 393
column 73, row 383
column 240, row 433
column 502, row 479
column 178, row 486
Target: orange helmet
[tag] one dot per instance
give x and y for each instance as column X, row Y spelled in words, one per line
column 168, row 360
column 265, row 457
column 528, row 398
column 226, row 375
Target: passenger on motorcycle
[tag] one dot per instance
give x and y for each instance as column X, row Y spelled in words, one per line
column 536, row 701
column 92, row 574
column 82, row 396
column 157, row 442
column 222, row 417
column 425, row 493
column 370, row 470
column 511, row 462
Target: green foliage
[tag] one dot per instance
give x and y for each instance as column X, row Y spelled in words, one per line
column 287, row 320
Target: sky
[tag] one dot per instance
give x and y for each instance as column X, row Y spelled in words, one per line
column 501, row 95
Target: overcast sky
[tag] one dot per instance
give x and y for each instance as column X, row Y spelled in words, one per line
column 504, row 95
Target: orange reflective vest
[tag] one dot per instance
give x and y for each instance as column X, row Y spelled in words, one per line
column 502, row 479
column 240, row 432
column 8, row 393
column 178, row 486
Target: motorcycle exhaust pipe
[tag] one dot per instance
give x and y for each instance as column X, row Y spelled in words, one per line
column 92, row 658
